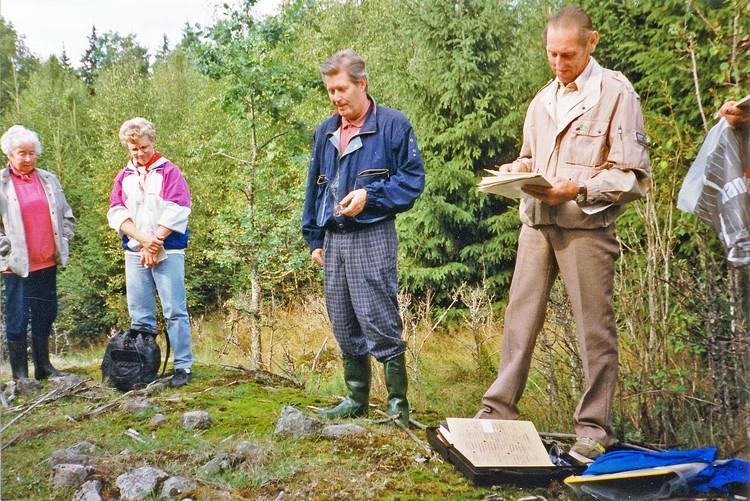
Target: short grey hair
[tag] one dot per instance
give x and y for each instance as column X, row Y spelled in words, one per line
column 345, row 60
column 571, row 17
column 18, row 135
column 135, row 128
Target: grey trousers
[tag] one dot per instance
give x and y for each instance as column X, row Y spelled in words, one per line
column 585, row 260
column 361, row 288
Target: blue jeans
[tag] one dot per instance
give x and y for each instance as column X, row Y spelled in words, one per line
column 32, row 298
column 168, row 280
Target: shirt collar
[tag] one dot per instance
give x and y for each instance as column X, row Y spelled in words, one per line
column 19, row 174
column 358, row 123
column 580, row 82
column 157, row 160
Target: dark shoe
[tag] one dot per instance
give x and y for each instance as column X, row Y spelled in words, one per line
column 181, row 377
column 357, row 375
column 586, row 450
column 43, row 368
column 397, row 381
column 19, row 364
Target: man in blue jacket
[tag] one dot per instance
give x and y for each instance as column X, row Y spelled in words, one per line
column 365, row 168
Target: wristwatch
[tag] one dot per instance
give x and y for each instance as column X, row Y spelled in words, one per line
column 581, row 197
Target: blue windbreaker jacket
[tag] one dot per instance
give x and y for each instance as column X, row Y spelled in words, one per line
column 383, row 159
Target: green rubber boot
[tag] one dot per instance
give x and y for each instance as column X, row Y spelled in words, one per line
column 357, row 402
column 396, row 380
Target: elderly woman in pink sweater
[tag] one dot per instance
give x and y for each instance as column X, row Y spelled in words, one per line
column 36, row 226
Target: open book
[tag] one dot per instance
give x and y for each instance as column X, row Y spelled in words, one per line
column 494, row 443
column 509, row 184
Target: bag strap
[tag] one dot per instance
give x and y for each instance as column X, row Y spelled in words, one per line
column 166, row 358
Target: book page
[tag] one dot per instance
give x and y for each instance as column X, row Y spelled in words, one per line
column 509, row 184
column 491, row 442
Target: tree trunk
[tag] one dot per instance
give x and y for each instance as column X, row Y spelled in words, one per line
column 255, row 340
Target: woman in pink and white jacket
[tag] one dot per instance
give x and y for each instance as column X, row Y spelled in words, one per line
column 149, row 207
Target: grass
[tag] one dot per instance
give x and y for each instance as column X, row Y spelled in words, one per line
column 384, row 464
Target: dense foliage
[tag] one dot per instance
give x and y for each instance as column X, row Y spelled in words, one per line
column 235, row 105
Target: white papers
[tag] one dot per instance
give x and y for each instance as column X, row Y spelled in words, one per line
column 509, row 184
column 494, row 442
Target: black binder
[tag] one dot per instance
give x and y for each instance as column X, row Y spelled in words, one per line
column 485, row 476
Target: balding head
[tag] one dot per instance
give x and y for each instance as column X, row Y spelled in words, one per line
column 571, row 17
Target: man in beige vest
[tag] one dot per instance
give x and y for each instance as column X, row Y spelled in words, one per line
column 584, row 132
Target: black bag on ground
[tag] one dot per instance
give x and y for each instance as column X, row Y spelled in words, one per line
column 131, row 360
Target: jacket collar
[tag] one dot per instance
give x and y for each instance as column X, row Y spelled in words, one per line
column 5, row 174
column 369, row 126
column 159, row 164
column 590, row 94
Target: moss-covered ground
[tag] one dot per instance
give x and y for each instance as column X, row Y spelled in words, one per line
column 384, row 464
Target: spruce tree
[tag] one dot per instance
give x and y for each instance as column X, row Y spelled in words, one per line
column 90, row 60
column 163, row 51
column 471, row 77
column 65, row 60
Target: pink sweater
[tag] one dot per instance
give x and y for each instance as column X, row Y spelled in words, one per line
column 37, row 225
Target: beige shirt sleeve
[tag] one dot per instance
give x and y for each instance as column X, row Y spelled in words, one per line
column 625, row 174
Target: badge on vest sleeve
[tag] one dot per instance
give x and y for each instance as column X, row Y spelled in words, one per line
column 642, row 139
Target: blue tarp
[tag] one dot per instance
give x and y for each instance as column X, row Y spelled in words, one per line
column 715, row 477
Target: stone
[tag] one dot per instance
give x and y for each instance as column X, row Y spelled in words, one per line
column 25, row 385
column 76, row 454
column 295, row 423
column 66, row 381
column 137, row 405
column 248, row 451
column 84, row 447
column 91, row 490
column 68, row 456
column 68, row 475
column 174, row 487
column 220, row 462
column 343, row 430
column 158, row 420
column 195, row 420
column 140, row 482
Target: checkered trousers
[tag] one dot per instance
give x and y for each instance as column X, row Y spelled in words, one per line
column 361, row 284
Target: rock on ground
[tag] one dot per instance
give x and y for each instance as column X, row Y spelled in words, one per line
column 247, row 451
column 68, row 475
column 195, row 420
column 68, row 456
column 136, row 405
column 220, row 462
column 84, row 447
column 140, row 482
column 77, row 454
column 91, row 490
column 25, row 385
column 295, row 423
column 67, row 381
column 343, row 430
column 158, row 420
column 174, row 487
